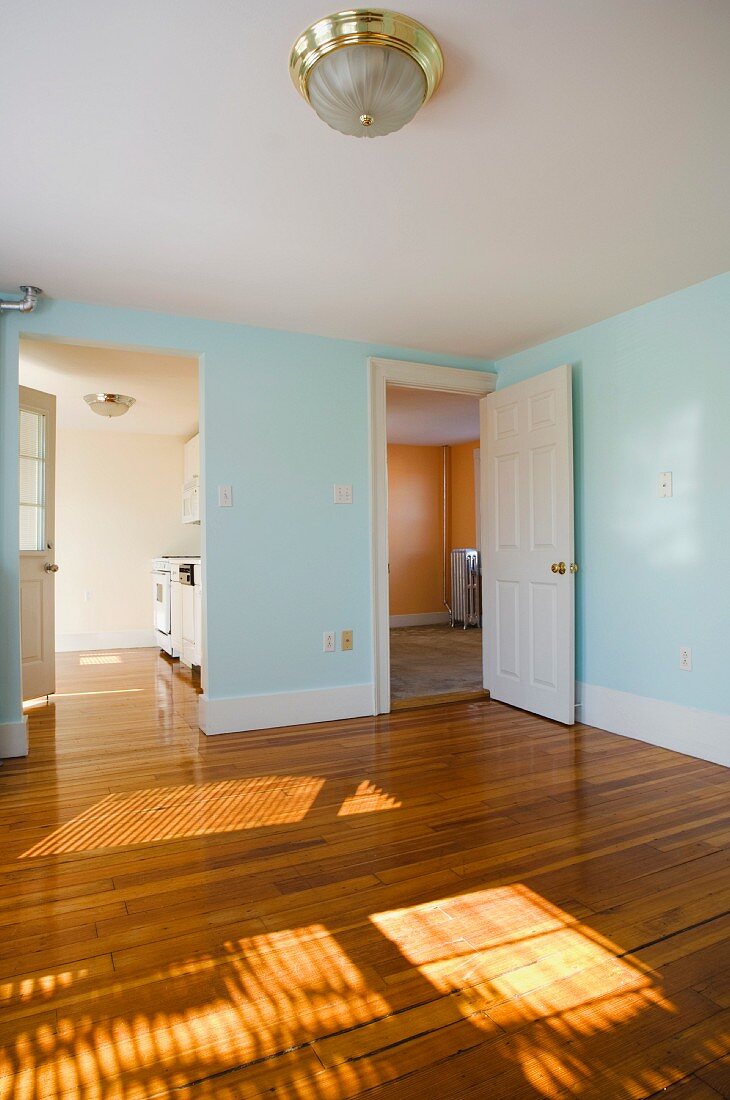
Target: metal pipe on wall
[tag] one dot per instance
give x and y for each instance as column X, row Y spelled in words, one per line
column 26, row 304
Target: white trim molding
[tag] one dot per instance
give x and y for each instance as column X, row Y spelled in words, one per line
column 700, row 733
column 112, row 639
column 427, row 618
column 13, row 739
column 423, row 376
column 289, row 708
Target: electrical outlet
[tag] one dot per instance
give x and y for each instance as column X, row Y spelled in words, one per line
column 88, row 596
column 343, row 494
column 329, row 641
column 685, row 658
column 346, row 640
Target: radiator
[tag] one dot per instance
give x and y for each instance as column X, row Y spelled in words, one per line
column 466, row 588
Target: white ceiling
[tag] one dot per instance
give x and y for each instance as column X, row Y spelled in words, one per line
column 574, row 163
column 165, row 386
column 430, row 419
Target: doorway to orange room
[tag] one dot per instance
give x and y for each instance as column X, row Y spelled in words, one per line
column 526, row 528
column 435, row 622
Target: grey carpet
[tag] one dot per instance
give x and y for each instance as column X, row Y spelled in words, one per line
column 434, row 660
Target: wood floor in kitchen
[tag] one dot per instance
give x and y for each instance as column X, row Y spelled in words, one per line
column 458, row 901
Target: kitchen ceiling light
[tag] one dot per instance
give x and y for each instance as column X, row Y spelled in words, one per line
column 109, row 404
column 366, row 72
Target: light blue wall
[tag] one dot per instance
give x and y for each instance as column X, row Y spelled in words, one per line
column 651, row 393
column 283, row 417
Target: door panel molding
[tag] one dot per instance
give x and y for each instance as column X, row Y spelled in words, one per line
column 527, row 527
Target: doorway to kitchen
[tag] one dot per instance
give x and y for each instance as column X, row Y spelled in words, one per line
column 109, row 488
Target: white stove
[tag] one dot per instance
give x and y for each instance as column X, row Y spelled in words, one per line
column 185, row 572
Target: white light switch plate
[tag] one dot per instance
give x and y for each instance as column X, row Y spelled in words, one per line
column 665, row 484
column 343, row 494
column 225, row 496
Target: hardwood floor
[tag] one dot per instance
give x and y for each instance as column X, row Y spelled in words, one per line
column 463, row 901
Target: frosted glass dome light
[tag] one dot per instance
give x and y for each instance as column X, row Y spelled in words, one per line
column 366, row 73
column 109, row 404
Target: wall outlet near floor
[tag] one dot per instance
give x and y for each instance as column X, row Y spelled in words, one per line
column 685, row 658
column 343, row 494
column 329, row 641
column 88, row 596
column 346, row 640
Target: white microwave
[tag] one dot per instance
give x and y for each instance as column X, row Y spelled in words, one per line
column 191, row 502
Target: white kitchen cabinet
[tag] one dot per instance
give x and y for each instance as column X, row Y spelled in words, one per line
column 191, row 459
column 198, row 625
column 176, row 591
column 188, row 625
column 191, row 482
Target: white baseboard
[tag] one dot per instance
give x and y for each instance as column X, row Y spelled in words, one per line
column 700, row 733
column 13, row 739
column 428, row 618
column 289, row 708
column 110, row 639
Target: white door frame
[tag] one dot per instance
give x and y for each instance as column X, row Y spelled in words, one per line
column 421, row 376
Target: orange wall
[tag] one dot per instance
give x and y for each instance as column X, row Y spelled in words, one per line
column 463, row 527
column 415, row 529
column 415, row 521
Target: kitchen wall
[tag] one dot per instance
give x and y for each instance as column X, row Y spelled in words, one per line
column 117, row 507
column 651, row 392
column 415, row 524
column 283, row 417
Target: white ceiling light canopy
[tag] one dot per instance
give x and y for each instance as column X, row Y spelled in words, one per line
column 109, row 404
column 366, row 72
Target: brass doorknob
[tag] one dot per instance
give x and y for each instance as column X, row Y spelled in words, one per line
column 51, row 568
column 574, row 567
column 558, row 567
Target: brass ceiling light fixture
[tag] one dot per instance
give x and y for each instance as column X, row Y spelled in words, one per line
column 366, row 72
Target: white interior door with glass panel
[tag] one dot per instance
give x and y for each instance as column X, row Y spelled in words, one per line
column 527, row 545
column 37, row 432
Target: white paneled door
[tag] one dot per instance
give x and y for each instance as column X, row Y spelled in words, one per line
column 527, row 545
column 37, row 458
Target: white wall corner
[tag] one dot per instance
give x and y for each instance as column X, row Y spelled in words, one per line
column 13, row 739
column 427, row 618
column 700, row 733
column 289, row 708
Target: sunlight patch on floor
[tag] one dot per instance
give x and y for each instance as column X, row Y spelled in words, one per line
column 256, row 997
column 166, row 813
column 368, row 798
column 518, row 961
column 319, row 1012
column 100, row 659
